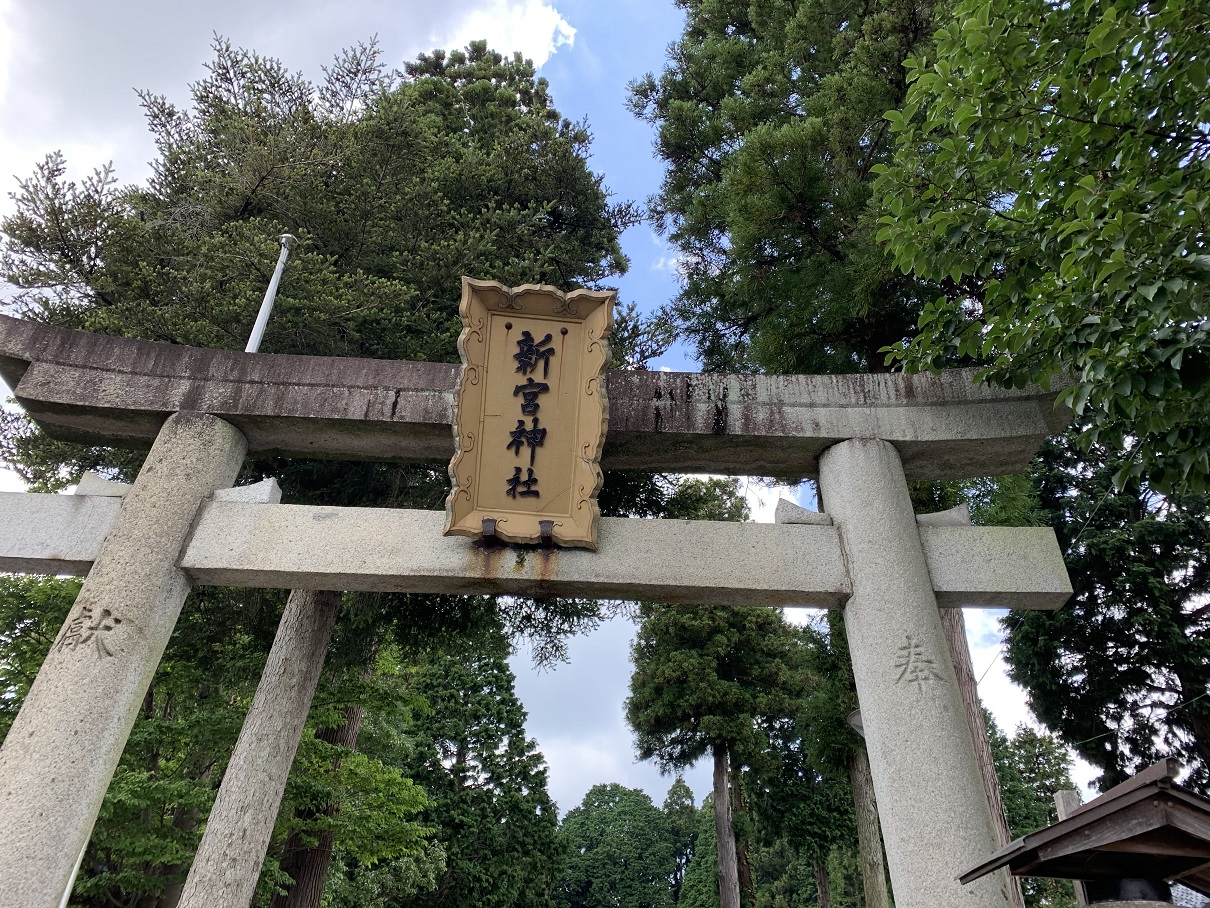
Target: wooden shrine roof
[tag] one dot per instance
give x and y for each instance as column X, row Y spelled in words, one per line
column 1149, row 826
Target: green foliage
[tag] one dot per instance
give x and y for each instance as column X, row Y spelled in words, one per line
column 153, row 815
column 770, row 118
column 151, row 820
column 619, row 851
column 1121, row 672
column 701, row 877
column 1053, row 177
column 705, row 674
column 377, row 819
column 1031, row 767
column 799, row 786
column 682, row 828
column 395, row 184
column 486, row 784
column 32, row 610
column 844, row 879
column 827, row 738
column 785, row 876
column 801, row 797
column 352, row 885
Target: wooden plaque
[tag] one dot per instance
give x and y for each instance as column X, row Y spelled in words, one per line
column 530, row 413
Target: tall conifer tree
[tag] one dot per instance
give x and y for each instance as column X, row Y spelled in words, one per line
column 770, row 122
column 486, row 783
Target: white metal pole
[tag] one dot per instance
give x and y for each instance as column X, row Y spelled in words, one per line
column 262, row 317
column 72, row 882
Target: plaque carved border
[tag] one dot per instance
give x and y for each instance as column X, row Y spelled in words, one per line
column 594, row 309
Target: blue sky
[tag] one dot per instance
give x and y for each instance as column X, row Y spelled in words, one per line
column 68, row 74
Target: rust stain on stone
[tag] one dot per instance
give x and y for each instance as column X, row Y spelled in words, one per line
column 548, row 563
column 484, row 558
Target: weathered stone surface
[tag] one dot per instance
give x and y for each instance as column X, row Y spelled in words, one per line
column 93, row 484
column 935, row 818
column 85, row 387
column 267, row 491
column 959, row 516
column 233, row 848
column 53, row 534
column 789, row 512
column 300, row 547
column 995, row 567
column 1001, row 567
column 61, row 752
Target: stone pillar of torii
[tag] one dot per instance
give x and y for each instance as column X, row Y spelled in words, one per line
column 179, row 524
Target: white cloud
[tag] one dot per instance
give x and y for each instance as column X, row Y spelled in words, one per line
column 6, row 45
column 577, row 715
column 69, row 68
column 533, row 27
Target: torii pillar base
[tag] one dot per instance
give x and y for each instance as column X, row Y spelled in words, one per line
column 935, row 818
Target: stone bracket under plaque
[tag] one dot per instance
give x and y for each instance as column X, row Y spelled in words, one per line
column 530, row 414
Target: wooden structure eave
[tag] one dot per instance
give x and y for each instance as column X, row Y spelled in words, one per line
column 1148, row 827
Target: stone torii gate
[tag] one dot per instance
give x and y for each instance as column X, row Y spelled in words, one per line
column 862, row 436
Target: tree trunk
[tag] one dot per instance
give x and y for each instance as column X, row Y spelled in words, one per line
column 187, row 820
column 728, row 875
column 954, row 626
column 869, row 837
column 308, row 865
column 743, row 847
column 229, row 860
column 821, row 883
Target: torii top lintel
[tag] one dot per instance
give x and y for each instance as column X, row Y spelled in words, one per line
column 105, row 390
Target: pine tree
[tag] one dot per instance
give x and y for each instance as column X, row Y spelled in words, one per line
column 619, row 851
column 682, row 826
column 1134, row 641
column 486, row 783
column 1032, row 766
column 705, row 680
column 701, row 876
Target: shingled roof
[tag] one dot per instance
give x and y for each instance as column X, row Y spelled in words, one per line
column 1147, row 827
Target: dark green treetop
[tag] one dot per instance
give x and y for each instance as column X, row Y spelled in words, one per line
column 704, row 675
column 700, row 889
column 1032, row 766
column 619, row 852
column 395, row 186
column 486, row 784
column 682, row 827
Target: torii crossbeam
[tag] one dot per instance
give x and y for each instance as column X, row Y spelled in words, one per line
column 862, row 436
